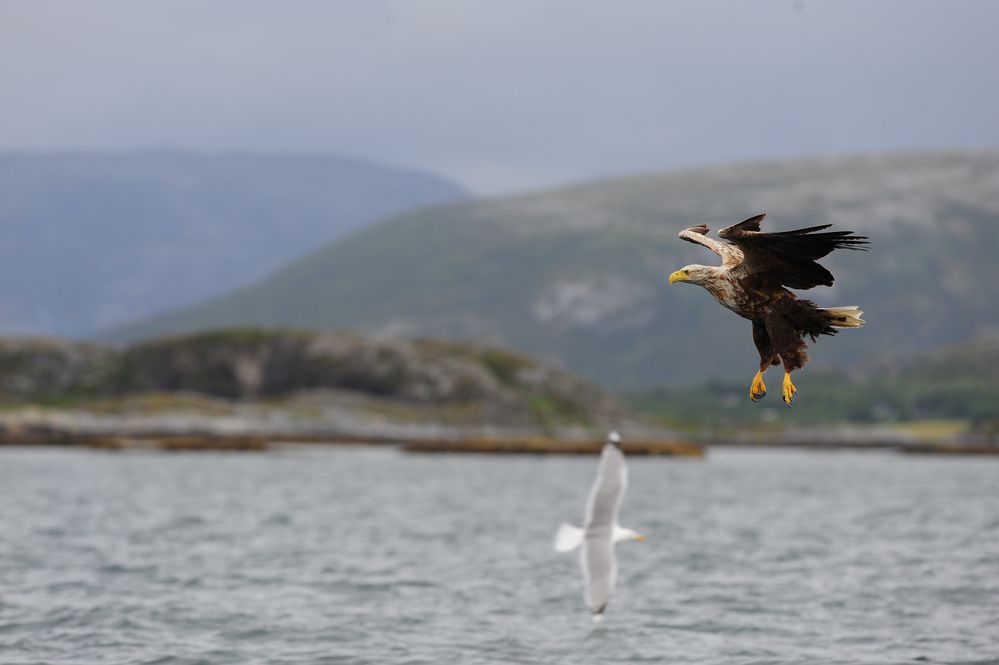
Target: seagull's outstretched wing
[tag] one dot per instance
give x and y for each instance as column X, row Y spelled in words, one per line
column 599, row 572
column 568, row 537
column 608, row 490
column 598, row 560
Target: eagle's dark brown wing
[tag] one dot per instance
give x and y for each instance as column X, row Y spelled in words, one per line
column 788, row 257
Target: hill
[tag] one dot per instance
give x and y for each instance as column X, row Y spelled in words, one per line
column 578, row 274
column 957, row 383
column 91, row 240
column 418, row 380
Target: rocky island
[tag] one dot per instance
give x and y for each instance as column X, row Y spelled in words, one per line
column 241, row 387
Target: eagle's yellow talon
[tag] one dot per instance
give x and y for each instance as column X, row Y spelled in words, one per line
column 789, row 390
column 758, row 390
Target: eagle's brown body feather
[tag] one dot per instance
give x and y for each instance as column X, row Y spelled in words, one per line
column 780, row 319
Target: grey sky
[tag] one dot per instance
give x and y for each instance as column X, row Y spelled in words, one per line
column 502, row 95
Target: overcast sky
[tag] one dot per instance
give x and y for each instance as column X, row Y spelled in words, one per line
column 502, row 95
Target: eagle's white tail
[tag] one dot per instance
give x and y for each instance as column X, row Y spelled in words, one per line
column 844, row 317
column 568, row 538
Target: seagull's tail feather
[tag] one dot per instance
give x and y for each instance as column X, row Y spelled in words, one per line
column 568, row 537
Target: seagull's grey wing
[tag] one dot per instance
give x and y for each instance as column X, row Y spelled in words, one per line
column 599, row 571
column 607, row 492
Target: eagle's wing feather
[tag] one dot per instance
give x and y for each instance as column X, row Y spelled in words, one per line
column 730, row 254
column 751, row 225
column 788, row 257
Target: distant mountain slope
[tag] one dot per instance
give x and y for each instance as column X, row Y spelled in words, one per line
column 578, row 274
column 92, row 240
column 958, row 382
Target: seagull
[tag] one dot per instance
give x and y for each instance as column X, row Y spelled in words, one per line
column 600, row 530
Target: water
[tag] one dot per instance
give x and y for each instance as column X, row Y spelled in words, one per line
column 359, row 555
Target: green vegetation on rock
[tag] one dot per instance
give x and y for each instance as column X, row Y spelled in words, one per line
column 454, row 380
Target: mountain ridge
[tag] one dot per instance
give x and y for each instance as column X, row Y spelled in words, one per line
column 92, row 239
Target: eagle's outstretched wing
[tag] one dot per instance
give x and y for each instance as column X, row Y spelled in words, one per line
column 788, row 257
column 730, row 254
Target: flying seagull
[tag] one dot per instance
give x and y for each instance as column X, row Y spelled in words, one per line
column 754, row 279
column 600, row 529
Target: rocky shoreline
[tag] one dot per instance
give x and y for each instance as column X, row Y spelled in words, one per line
column 186, row 432
column 258, row 427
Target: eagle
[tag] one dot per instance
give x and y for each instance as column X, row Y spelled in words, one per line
column 755, row 279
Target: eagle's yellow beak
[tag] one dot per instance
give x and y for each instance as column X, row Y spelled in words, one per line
column 679, row 276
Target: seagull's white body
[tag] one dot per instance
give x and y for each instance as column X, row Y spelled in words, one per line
column 600, row 529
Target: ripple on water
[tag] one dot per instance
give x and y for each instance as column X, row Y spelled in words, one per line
column 361, row 556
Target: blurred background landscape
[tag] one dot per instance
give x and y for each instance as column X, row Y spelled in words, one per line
column 417, row 228
column 393, row 219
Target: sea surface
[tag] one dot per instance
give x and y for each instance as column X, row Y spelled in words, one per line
column 371, row 555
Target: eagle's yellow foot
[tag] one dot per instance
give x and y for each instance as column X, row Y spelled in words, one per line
column 758, row 389
column 789, row 390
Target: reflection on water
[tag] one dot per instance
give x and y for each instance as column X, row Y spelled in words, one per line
column 340, row 555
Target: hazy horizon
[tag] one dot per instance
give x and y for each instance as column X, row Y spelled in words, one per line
column 502, row 98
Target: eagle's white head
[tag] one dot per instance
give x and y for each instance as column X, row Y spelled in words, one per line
column 695, row 274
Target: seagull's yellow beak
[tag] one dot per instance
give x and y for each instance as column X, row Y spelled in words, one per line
column 641, row 537
column 679, row 276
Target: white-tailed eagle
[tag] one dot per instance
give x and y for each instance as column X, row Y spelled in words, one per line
column 754, row 281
